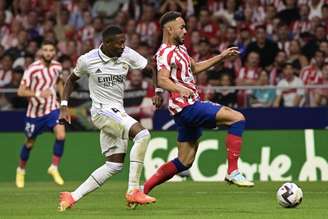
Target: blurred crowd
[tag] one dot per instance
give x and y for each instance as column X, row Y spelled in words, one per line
column 282, row 43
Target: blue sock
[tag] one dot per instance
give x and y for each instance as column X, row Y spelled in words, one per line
column 180, row 167
column 237, row 128
column 59, row 148
column 25, row 153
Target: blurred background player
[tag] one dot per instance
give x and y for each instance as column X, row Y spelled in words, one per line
column 39, row 84
column 107, row 68
column 176, row 70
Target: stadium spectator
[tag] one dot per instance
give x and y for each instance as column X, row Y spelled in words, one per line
column 312, row 74
column 290, row 13
column 262, row 97
column 303, row 24
column 322, row 97
column 14, row 101
column 266, row 48
column 295, row 55
column 315, row 8
column 275, row 74
column 226, row 97
column 286, row 94
column 6, row 70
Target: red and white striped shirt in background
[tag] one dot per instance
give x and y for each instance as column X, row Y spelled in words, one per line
column 177, row 61
column 311, row 75
column 248, row 74
column 38, row 78
column 301, row 26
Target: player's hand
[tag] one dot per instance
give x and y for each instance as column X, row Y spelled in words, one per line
column 46, row 93
column 231, row 52
column 64, row 116
column 157, row 100
column 185, row 92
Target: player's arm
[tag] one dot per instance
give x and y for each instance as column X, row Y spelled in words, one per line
column 158, row 97
column 24, row 91
column 166, row 83
column 297, row 100
column 79, row 70
column 277, row 101
column 198, row 67
column 68, row 89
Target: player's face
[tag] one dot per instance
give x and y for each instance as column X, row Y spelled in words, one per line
column 116, row 46
column 179, row 31
column 48, row 52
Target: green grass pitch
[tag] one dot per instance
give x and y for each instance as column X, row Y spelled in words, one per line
column 174, row 200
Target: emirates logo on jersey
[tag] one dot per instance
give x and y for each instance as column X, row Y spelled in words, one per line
column 111, row 80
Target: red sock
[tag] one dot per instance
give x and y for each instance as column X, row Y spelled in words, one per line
column 233, row 145
column 55, row 160
column 164, row 173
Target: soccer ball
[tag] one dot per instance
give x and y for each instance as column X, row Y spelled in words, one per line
column 289, row 195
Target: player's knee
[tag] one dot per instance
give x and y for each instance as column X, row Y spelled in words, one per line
column 239, row 117
column 60, row 136
column 142, row 138
column 113, row 168
column 29, row 143
column 143, row 135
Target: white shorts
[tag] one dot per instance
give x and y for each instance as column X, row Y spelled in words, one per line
column 114, row 128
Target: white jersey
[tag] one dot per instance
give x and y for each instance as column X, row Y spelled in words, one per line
column 288, row 93
column 107, row 75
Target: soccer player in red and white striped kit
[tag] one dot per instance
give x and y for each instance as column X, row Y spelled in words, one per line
column 176, row 70
column 39, row 84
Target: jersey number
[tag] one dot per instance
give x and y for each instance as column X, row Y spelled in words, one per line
column 115, row 110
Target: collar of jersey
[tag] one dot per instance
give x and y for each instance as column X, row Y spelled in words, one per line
column 102, row 55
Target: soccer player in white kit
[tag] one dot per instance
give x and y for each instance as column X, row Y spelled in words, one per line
column 107, row 68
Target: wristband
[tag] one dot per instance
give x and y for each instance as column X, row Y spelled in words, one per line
column 37, row 93
column 159, row 90
column 64, row 103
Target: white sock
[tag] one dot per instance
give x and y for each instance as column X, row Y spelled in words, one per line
column 137, row 155
column 96, row 179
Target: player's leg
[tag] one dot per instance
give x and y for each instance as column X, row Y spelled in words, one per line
column 58, row 147
column 58, row 150
column 33, row 127
column 24, row 156
column 236, row 122
column 186, row 155
column 114, row 149
column 141, row 138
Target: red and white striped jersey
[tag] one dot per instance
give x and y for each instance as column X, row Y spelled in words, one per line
column 39, row 77
column 248, row 73
column 311, row 75
column 178, row 62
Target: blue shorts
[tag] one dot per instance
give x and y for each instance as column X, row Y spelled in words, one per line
column 192, row 119
column 35, row 126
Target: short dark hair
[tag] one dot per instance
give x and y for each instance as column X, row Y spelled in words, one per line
column 169, row 16
column 111, row 32
column 49, row 42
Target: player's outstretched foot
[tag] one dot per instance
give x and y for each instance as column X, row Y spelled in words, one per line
column 53, row 171
column 137, row 197
column 235, row 177
column 20, row 177
column 65, row 201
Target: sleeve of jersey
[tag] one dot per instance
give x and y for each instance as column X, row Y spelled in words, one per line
column 81, row 67
column 164, row 60
column 137, row 61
